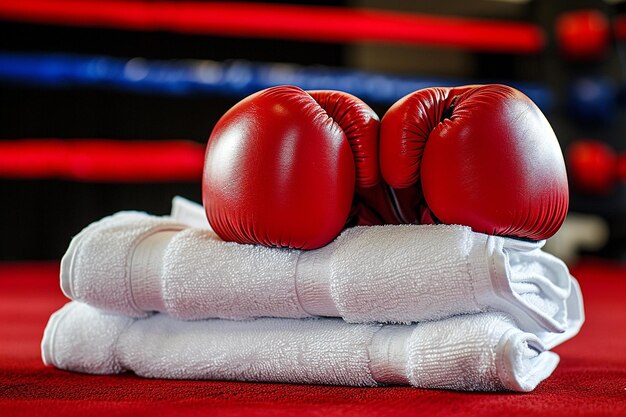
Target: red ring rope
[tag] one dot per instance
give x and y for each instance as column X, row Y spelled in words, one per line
column 314, row 23
column 102, row 160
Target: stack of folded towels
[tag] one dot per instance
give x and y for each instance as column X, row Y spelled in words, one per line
column 432, row 306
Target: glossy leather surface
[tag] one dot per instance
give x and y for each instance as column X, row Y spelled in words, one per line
column 282, row 167
column 482, row 156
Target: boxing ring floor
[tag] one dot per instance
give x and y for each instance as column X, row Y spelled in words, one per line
column 590, row 380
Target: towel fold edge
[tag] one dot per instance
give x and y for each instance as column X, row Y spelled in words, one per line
column 519, row 368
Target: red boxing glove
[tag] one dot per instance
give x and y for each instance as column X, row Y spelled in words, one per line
column 481, row 156
column 289, row 168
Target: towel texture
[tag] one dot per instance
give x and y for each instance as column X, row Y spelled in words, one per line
column 472, row 352
column 134, row 264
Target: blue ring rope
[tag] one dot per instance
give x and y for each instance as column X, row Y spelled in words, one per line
column 231, row 78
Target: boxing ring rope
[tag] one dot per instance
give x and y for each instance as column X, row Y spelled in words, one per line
column 174, row 160
column 234, row 78
column 310, row 23
column 106, row 160
column 102, row 160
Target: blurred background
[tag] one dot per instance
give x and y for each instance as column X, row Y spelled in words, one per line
column 106, row 106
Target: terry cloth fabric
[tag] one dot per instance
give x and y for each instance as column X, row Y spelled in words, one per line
column 134, row 264
column 483, row 352
column 589, row 380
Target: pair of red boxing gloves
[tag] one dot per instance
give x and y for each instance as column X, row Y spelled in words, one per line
column 290, row 168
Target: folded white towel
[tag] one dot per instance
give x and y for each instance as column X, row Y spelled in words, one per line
column 472, row 352
column 133, row 263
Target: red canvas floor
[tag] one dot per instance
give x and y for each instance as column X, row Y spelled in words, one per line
column 591, row 379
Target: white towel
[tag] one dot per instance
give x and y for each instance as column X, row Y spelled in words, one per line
column 472, row 352
column 133, row 263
